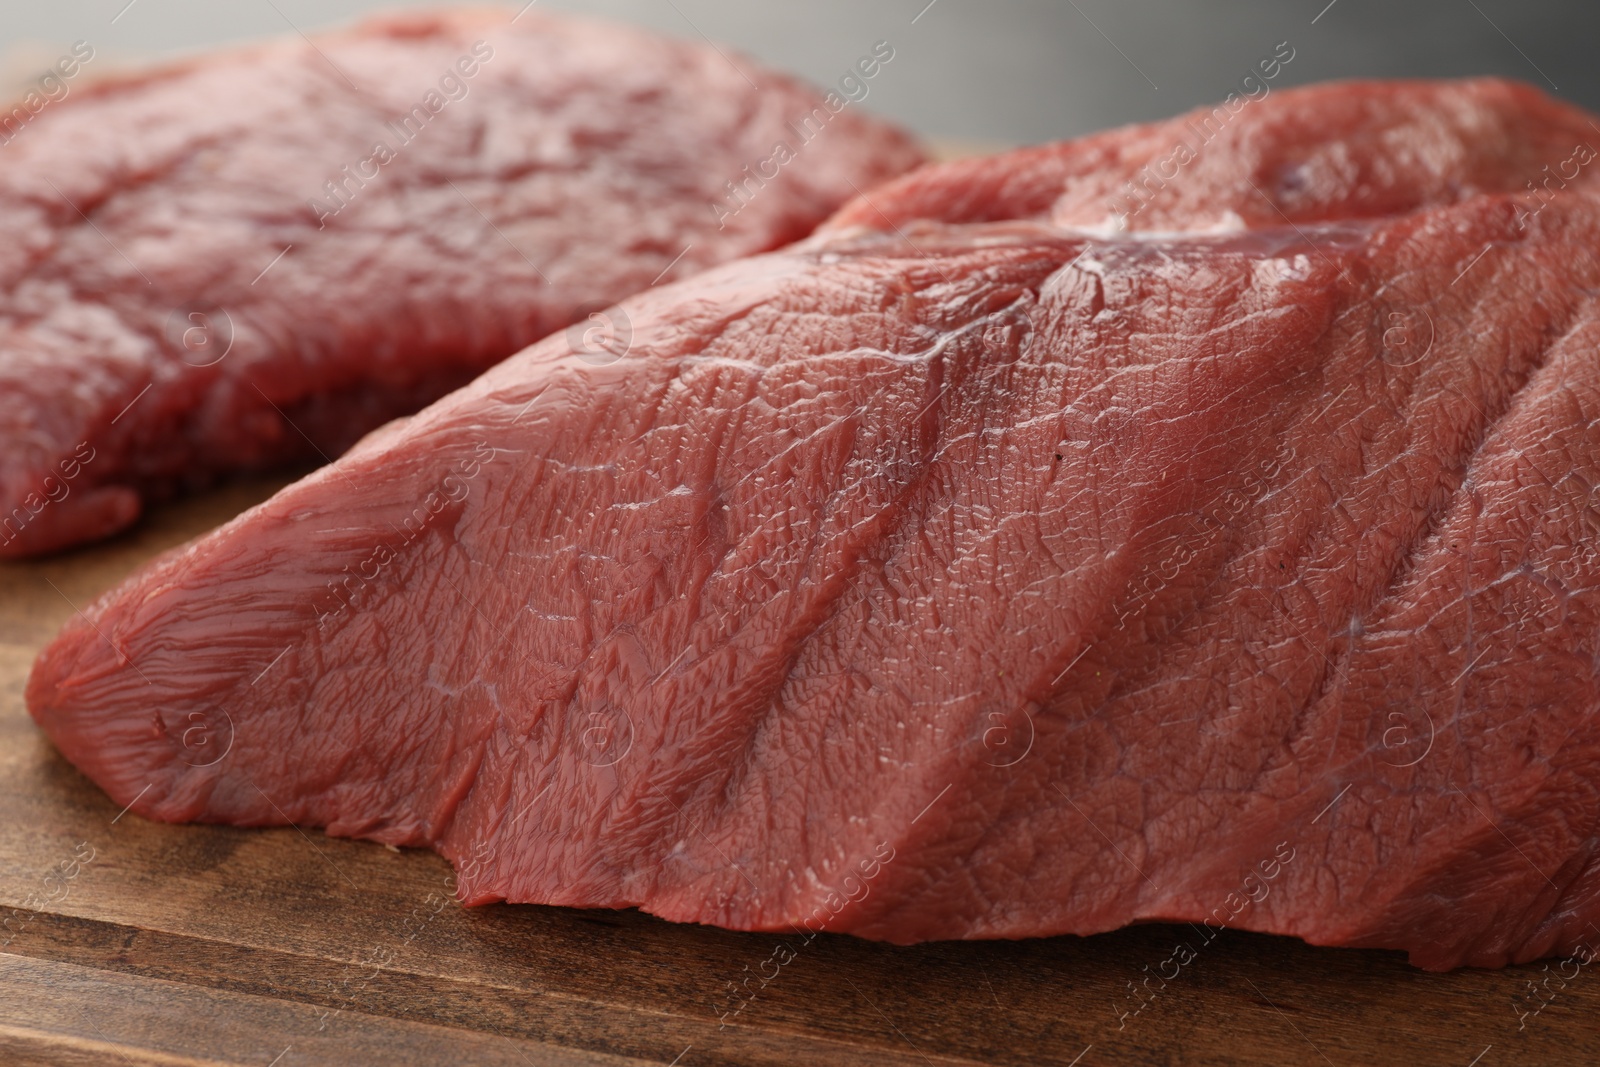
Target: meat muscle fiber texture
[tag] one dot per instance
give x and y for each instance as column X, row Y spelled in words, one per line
column 256, row 257
column 968, row 577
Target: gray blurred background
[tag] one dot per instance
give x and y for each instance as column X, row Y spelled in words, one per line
column 990, row 71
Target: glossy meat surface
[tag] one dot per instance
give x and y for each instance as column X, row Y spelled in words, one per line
column 256, row 257
column 966, row 579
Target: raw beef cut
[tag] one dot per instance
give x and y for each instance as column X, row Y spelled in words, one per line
column 1358, row 150
column 965, row 579
column 256, row 257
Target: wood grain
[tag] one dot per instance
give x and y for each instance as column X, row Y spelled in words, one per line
column 131, row 941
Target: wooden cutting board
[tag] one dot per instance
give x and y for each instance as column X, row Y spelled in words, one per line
column 134, row 942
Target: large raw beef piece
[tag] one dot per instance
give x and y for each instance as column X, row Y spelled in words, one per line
column 255, row 257
column 962, row 580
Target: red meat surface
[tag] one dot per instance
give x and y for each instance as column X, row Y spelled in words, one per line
column 966, row 578
column 496, row 180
